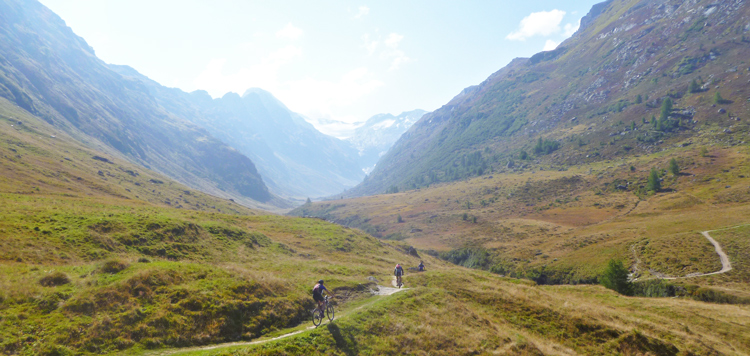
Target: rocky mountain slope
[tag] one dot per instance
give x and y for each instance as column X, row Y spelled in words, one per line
column 296, row 160
column 53, row 74
column 379, row 133
column 600, row 95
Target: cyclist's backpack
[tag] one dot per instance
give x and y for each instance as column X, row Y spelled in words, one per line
column 316, row 289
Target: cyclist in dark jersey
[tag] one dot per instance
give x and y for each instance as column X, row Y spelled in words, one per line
column 318, row 293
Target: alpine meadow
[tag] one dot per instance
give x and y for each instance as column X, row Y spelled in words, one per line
column 593, row 199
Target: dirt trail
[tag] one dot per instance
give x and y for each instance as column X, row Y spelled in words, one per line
column 726, row 265
column 380, row 291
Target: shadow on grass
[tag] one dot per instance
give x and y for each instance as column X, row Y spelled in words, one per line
column 345, row 343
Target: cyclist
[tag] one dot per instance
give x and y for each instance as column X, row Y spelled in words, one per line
column 421, row 266
column 398, row 272
column 318, row 294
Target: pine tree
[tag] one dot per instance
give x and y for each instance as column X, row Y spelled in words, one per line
column 693, row 87
column 638, row 99
column 308, row 201
column 718, row 99
column 615, row 277
column 666, row 108
column 653, row 181
column 673, row 167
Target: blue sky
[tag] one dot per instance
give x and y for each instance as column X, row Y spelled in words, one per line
column 335, row 60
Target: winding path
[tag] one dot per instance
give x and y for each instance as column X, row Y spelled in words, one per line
column 726, row 265
column 380, row 291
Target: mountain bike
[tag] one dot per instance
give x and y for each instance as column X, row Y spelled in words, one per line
column 327, row 309
column 399, row 283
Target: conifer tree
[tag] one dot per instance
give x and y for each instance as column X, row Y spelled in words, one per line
column 673, row 167
column 666, row 108
column 653, row 181
column 615, row 277
column 693, row 87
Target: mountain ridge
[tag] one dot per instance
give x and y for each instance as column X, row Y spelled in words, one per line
column 54, row 74
column 579, row 93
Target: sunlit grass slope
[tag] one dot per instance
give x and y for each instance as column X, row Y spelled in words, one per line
column 455, row 311
column 562, row 226
column 99, row 255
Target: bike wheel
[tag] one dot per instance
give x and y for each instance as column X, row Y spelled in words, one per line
column 317, row 317
column 329, row 312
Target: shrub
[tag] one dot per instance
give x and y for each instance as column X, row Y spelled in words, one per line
column 704, row 152
column 113, row 266
column 399, row 218
column 545, row 146
column 56, row 278
column 718, row 99
column 615, row 277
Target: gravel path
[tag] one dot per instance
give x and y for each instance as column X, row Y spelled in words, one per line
column 726, row 265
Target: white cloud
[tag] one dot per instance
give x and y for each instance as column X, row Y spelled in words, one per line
column 289, row 32
column 570, row 28
column 393, row 40
column 363, row 11
column 550, row 45
column 392, row 53
column 369, row 45
column 542, row 23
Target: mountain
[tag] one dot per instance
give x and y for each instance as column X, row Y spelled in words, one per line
column 379, row 133
column 296, row 160
column 596, row 97
column 52, row 73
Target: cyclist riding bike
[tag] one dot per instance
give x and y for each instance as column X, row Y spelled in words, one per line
column 318, row 294
column 398, row 272
column 421, row 266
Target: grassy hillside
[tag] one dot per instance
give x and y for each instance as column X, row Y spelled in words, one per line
column 562, row 226
column 453, row 311
column 99, row 256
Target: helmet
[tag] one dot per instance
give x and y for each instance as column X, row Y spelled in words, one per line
column 320, row 281
column 398, row 265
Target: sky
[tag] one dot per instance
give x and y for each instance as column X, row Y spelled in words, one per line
column 336, row 62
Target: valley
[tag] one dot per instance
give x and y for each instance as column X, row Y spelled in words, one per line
column 593, row 199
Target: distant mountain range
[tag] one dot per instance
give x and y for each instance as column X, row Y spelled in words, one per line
column 52, row 73
column 234, row 146
column 379, row 133
column 296, row 160
column 601, row 94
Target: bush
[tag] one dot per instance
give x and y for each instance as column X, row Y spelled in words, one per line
column 54, row 279
column 545, row 146
column 615, row 277
column 113, row 266
column 654, row 288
